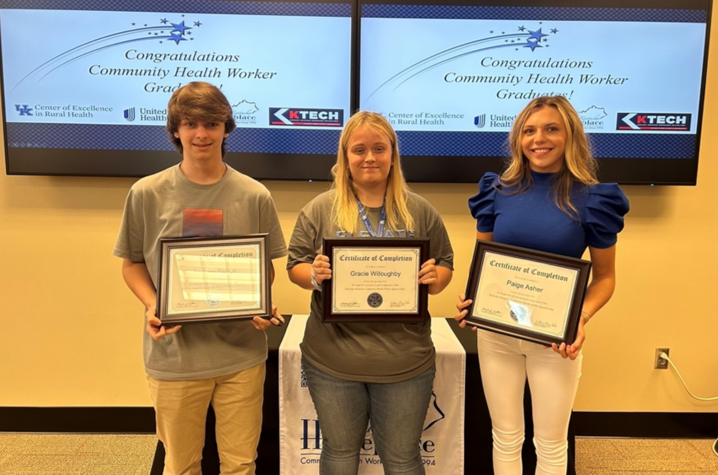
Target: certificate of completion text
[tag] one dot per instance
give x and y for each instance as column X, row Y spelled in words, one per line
column 381, row 280
column 525, row 293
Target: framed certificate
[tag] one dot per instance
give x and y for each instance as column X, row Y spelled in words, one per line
column 532, row 295
column 209, row 279
column 375, row 280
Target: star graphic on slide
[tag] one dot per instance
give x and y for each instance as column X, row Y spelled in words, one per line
column 537, row 35
column 181, row 28
column 176, row 37
column 533, row 44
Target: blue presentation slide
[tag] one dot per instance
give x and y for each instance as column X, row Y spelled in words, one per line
column 120, row 68
column 624, row 77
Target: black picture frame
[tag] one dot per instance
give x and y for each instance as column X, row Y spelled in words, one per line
column 524, row 275
column 374, row 294
column 213, row 259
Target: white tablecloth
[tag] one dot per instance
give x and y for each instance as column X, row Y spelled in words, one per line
column 442, row 444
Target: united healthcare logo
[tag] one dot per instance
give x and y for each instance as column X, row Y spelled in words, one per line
column 480, row 121
column 129, row 114
column 23, row 109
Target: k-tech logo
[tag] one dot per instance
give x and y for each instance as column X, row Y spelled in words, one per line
column 653, row 121
column 306, row 117
column 23, row 109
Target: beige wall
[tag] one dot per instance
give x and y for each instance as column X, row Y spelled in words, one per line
column 70, row 331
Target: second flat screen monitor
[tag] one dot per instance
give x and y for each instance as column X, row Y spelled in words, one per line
column 452, row 78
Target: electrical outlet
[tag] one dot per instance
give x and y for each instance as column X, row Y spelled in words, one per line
column 658, row 362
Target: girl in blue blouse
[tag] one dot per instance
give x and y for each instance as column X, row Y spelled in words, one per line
column 547, row 199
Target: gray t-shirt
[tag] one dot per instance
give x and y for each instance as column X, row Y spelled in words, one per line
column 370, row 352
column 167, row 205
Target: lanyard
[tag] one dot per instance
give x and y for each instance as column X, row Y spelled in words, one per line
column 365, row 218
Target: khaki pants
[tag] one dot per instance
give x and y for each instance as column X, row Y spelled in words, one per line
column 181, row 411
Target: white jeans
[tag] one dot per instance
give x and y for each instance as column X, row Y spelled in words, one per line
column 505, row 363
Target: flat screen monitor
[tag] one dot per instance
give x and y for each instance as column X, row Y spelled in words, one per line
column 85, row 83
column 452, row 76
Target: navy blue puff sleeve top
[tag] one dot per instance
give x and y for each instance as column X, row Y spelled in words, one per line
column 532, row 220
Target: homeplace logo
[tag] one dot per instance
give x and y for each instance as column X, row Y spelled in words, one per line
column 311, row 440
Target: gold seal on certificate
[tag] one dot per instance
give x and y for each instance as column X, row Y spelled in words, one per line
column 217, row 278
column 375, row 280
column 532, row 295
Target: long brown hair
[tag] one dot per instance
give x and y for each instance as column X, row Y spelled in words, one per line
column 579, row 163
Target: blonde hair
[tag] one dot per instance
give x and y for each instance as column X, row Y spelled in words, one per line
column 579, row 164
column 344, row 208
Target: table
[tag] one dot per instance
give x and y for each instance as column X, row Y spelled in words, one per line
column 442, row 442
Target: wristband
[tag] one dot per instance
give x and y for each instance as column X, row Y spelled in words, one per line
column 585, row 317
column 315, row 284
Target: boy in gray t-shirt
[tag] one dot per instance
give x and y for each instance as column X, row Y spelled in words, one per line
column 188, row 367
